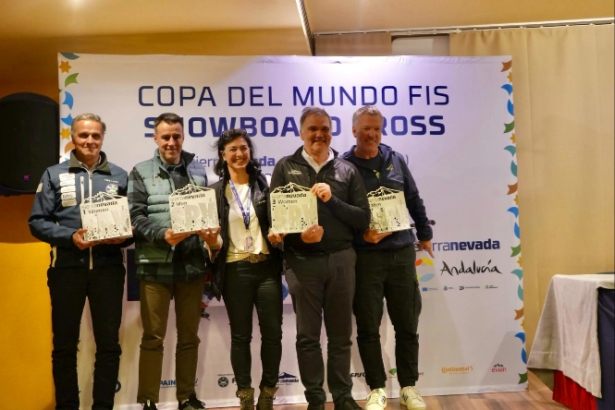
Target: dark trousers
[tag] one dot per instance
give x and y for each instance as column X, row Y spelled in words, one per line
column 390, row 275
column 104, row 288
column 323, row 284
column 246, row 286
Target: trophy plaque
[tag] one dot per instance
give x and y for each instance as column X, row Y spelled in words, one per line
column 388, row 210
column 105, row 216
column 293, row 209
column 193, row 208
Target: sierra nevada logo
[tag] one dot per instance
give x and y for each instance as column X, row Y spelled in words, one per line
column 285, row 378
column 468, row 287
column 488, row 244
column 473, row 269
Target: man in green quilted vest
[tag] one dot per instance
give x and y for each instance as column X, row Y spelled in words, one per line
column 169, row 265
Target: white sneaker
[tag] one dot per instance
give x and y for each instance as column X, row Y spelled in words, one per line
column 410, row 397
column 377, row 400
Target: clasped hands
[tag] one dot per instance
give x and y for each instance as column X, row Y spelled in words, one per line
column 208, row 235
column 312, row 234
column 82, row 244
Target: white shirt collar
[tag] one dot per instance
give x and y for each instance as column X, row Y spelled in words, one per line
column 313, row 162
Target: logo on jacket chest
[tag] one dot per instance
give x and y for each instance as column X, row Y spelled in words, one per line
column 112, row 189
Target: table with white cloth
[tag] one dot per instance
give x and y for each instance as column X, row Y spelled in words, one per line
column 567, row 338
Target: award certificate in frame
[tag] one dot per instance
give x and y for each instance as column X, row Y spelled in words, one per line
column 388, row 210
column 293, row 209
column 105, row 216
column 193, row 208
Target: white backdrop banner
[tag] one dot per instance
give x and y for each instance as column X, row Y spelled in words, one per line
column 453, row 120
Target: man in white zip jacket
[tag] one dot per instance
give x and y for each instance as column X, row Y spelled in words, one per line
column 81, row 269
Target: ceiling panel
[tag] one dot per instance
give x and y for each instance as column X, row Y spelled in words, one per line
column 73, row 18
column 356, row 15
column 59, row 18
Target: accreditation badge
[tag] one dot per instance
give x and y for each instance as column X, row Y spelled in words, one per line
column 249, row 243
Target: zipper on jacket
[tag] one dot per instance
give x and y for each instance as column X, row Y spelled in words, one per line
column 82, row 199
column 90, row 196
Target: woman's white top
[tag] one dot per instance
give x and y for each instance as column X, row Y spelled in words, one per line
column 237, row 228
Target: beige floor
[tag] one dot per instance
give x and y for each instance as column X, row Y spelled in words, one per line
column 538, row 396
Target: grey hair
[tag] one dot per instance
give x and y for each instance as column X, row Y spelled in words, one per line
column 307, row 111
column 88, row 116
column 366, row 109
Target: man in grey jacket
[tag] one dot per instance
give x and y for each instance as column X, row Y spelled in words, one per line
column 80, row 269
column 169, row 265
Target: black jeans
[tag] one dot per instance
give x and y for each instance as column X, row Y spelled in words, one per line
column 248, row 285
column 390, row 275
column 323, row 285
column 104, row 288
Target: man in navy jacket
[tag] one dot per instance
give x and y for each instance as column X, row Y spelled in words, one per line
column 80, row 269
column 386, row 266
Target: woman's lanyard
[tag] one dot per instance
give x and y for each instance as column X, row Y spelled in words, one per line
column 249, row 241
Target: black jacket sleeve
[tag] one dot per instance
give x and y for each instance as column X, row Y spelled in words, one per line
column 415, row 205
column 355, row 213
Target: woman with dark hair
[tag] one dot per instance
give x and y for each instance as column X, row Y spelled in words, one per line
column 247, row 271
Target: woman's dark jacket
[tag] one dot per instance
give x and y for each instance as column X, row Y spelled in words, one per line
column 260, row 205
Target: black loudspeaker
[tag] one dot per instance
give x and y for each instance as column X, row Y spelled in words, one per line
column 29, row 134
